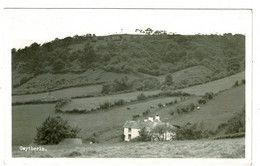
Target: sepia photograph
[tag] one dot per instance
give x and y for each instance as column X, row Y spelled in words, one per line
column 130, row 83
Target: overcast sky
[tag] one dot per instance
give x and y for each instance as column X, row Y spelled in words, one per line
column 42, row 25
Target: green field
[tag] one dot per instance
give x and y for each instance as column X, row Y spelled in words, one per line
column 215, row 86
column 26, row 117
column 226, row 148
column 44, row 82
column 108, row 124
column 69, row 92
column 218, row 110
column 94, row 102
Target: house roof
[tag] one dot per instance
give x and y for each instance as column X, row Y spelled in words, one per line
column 140, row 125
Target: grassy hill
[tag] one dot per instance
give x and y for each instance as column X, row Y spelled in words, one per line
column 108, row 124
column 90, row 59
column 215, row 86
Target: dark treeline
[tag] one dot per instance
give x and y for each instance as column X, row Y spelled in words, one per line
column 154, row 53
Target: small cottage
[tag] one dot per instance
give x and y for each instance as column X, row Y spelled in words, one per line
column 132, row 128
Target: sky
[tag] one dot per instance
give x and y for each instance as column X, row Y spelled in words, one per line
column 25, row 26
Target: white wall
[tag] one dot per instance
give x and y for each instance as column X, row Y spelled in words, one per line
column 134, row 133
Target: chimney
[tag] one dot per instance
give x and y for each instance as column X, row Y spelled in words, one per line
column 150, row 118
column 157, row 117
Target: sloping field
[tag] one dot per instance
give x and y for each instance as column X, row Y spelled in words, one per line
column 218, row 110
column 196, row 74
column 26, row 118
column 94, row 102
column 45, row 82
column 69, row 92
column 215, row 86
column 227, row 148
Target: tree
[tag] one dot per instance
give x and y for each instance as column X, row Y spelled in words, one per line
column 148, row 31
column 58, row 66
column 54, row 130
column 144, row 135
column 168, row 79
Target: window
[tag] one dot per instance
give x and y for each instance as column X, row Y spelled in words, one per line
column 129, row 137
column 129, row 130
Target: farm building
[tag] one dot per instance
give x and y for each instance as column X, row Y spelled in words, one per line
column 132, row 128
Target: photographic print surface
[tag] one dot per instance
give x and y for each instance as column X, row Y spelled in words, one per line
column 129, row 83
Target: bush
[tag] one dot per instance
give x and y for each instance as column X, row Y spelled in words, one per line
column 141, row 97
column 54, row 130
column 243, row 81
column 105, row 105
column 168, row 80
column 120, row 102
column 62, row 103
column 93, row 139
column 202, row 101
column 160, row 105
column 236, row 84
column 144, row 135
column 192, row 107
column 194, row 131
column 175, row 101
column 172, row 112
column 136, row 116
column 208, row 96
column 145, row 113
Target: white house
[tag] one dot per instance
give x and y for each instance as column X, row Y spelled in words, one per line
column 132, row 128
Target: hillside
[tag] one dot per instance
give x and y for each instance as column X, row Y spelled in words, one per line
column 90, row 59
column 108, row 124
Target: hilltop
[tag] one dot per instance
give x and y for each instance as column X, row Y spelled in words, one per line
column 89, row 59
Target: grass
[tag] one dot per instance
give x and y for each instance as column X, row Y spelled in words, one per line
column 94, row 102
column 191, row 74
column 108, row 124
column 218, row 110
column 215, row 86
column 25, row 119
column 44, row 82
column 69, row 92
column 225, row 148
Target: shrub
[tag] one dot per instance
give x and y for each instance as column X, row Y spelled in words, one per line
column 208, row 96
column 192, row 107
column 146, row 112
column 106, row 88
column 105, row 105
column 202, row 101
column 93, row 139
column 144, row 135
column 62, row 103
column 243, row 81
column 175, row 101
column 136, row 116
column 194, row 131
column 120, row 102
column 54, row 130
column 160, row 105
column 168, row 80
column 236, row 84
column 172, row 112
column 141, row 97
